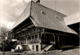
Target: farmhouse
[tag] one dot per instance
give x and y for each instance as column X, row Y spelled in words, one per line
column 43, row 29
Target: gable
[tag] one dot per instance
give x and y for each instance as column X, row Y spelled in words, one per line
column 23, row 25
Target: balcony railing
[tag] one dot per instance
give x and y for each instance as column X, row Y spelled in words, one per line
column 33, row 41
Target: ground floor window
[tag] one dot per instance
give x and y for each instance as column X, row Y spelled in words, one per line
column 37, row 47
column 33, row 47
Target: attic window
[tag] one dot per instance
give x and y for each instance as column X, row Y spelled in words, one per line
column 43, row 12
column 57, row 17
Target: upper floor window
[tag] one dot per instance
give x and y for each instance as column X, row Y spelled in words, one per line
column 32, row 37
column 29, row 37
column 35, row 36
column 34, row 29
column 43, row 12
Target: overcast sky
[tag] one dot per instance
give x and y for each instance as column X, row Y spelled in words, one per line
column 11, row 9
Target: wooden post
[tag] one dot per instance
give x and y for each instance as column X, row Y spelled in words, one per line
column 57, row 40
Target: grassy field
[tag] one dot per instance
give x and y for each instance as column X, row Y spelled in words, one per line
column 55, row 52
column 72, row 52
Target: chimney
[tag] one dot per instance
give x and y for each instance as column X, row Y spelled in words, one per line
column 38, row 1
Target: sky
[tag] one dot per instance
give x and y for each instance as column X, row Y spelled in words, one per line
column 10, row 10
column 71, row 19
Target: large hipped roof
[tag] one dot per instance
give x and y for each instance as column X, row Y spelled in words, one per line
column 42, row 16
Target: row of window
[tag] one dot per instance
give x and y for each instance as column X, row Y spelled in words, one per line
column 48, row 37
column 33, row 37
column 27, row 32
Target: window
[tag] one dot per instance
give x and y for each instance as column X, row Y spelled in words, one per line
column 32, row 37
column 33, row 47
column 29, row 37
column 43, row 12
column 37, row 48
column 34, row 29
column 35, row 36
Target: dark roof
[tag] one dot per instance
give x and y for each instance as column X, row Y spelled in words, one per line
column 42, row 16
column 75, row 27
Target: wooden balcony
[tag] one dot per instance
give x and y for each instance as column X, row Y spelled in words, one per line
column 33, row 41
